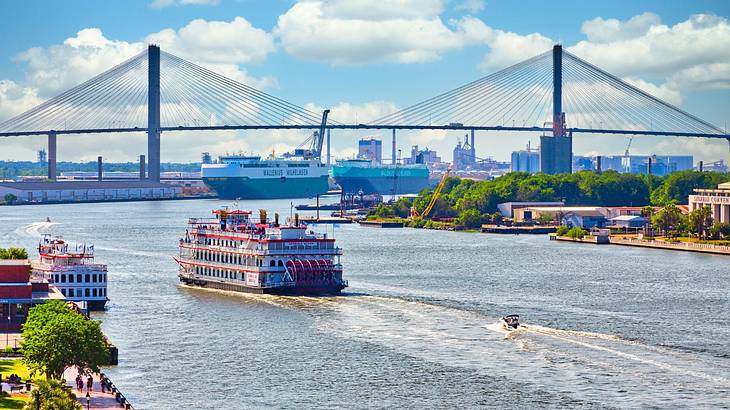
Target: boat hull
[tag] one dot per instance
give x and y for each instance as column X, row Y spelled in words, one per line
column 317, row 290
column 267, row 188
column 382, row 185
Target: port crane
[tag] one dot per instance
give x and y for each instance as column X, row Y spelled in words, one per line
column 434, row 197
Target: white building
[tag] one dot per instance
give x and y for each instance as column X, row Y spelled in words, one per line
column 717, row 199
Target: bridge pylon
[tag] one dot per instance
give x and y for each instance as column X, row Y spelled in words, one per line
column 153, row 113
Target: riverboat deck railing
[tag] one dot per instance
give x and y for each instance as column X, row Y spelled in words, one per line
column 293, row 249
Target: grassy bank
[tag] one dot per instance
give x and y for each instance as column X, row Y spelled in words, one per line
column 8, row 367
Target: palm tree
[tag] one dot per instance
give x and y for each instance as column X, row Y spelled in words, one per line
column 52, row 395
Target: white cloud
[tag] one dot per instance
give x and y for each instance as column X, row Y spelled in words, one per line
column 472, row 6
column 360, row 32
column 652, row 48
column 59, row 67
column 158, row 4
column 601, row 30
column 507, row 48
column 15, row 99
column 232, row 42
column 664, row 92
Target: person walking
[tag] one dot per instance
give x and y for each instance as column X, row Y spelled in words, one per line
column 90, row 383
column 81, row 384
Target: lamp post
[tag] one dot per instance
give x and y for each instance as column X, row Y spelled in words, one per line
column 88, row 401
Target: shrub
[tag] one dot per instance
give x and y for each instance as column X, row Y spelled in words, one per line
column 576, row 233
column 470, row 219
column 562, row 230
column 13, row 253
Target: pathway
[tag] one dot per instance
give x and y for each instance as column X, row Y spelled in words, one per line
column 99, row 400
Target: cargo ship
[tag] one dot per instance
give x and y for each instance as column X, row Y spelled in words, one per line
column 300, row 174
column 73, row 271
column 233, row 251
column 250, row 177
column 363, row 176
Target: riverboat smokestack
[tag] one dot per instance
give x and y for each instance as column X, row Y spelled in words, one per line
column 276, row 219
column 262, row 216
column 296, row 219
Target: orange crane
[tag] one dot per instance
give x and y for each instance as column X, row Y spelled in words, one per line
column 434, row 197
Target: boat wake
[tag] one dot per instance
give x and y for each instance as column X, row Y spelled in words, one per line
column 596, row 366
column 35, row 229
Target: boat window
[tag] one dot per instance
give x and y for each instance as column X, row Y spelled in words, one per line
column 273, row 263
column 94, row 292
column 281, row 263
column 87, row 292
column 78, row 278
column 71, row 293
column 93, row 277
column 63, row 291
column 70, row 278
column 88, row 278
column 63, row 278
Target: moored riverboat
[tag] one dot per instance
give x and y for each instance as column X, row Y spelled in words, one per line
column 235, row 252
column 72, row 270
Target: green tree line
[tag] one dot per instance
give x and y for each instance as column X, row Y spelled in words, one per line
column 608, row 188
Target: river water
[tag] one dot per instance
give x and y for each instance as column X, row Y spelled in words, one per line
column 608, row 326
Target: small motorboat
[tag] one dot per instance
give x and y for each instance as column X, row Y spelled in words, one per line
column 510, row 322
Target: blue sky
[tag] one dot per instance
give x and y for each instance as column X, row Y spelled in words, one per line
column 387, row 76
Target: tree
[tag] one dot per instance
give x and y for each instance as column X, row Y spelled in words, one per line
column 576, row 233
column 668, row 219
column 647, row 211
column 470, row 219
column 55, row 337
column 10, row 198
column 51, row 395
column 13, row 253
column 700, row 220
column 720, row 229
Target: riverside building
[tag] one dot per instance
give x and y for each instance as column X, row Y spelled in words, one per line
column 717, row 199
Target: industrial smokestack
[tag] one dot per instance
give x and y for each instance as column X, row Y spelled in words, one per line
column 473, row 148
column 393, row 152
column 701, row 166
column 141, row 167
column 99, row 168
column 648, row 167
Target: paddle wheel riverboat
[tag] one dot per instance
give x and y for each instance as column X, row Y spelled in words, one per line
column 234, row 252
column 71, row 270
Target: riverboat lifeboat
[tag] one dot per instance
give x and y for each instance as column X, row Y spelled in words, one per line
column 235, row 252
column 72, row 270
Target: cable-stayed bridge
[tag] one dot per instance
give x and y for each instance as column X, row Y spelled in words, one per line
column 554, row 92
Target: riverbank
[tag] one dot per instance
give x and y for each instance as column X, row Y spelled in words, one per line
column 645, row 243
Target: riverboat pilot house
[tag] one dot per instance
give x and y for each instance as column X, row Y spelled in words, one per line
column 718, row 200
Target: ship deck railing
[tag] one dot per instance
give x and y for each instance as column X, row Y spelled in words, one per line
column 289, row 250
column 260, row 269
column 251, row 234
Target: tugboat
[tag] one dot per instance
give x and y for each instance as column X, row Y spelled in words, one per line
column 510, row 322
column 234, row 252
column 72, row 271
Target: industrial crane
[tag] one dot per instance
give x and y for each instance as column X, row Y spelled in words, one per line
column 628, row 146
column 434, row 197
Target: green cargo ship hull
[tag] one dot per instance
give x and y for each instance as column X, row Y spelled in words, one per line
column 267, row 188
column 383, row 180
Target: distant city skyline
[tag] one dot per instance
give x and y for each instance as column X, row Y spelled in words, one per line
column 364, row 61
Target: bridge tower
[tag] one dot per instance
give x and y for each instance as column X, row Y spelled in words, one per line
column 556, row 151
column 153, row 113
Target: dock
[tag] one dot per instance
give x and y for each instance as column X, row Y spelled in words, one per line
column 324, row 220
column 515, row 230
column 382, row 224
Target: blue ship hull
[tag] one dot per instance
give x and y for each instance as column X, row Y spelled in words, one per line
column 267, row 188
column 382, row 185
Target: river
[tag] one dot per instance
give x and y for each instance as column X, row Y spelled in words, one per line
column 608, row 326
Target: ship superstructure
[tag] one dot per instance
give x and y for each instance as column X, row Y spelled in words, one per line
column 235, row 252
column 72, row 270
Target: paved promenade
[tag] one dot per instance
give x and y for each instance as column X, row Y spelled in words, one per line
column 99, row 400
